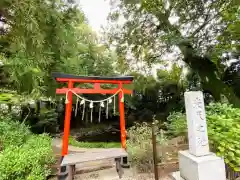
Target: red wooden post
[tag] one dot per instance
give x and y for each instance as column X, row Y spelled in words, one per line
column 122, row 118
column 67, row 120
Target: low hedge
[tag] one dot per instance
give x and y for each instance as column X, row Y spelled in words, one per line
column 223, row 131
column 23, row 156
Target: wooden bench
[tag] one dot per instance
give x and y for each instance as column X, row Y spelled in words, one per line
column 69, row 161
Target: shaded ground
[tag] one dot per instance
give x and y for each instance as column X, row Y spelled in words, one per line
column 100, row 170
column 110, row 174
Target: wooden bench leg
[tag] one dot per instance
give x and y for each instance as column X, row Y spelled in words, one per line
column 63, row 173
column 119, row 167
column 71, row 172
column 125, row 162
column 67, row 173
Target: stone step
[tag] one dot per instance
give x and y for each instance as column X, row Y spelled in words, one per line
column 176, row 176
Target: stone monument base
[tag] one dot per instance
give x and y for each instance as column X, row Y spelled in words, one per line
column 209, row 167
column 176, row 176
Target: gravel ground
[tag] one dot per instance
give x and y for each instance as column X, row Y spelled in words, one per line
column 110, row 174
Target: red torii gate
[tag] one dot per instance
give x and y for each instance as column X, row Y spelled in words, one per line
column 96, row 81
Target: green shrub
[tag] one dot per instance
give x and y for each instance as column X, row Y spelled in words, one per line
column 12, row 133
column 24, row 156
column 46, row 121
column 177, row 124
column 31, row 161
column 139, row 146
column 223, row 131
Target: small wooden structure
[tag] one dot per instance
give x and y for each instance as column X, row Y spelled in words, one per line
column 71, row 160
column 68, row 161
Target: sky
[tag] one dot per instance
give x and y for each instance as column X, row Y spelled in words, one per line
column 96, row 12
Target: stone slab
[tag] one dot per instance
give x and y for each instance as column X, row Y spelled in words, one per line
column 196, row 122
column 77, row 158
column 209, row 167
column 176, row 176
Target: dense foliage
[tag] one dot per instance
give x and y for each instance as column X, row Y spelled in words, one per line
column 157, row 95
column 23, row 155
column 191, row 45
column 36, row 39
column 39, row 37
column 193, row 33
column 223, row 131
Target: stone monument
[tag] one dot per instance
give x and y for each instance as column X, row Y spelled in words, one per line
column 198, row 163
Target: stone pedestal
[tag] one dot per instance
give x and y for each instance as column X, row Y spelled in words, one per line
column 209, row 167
column 198, row 163
column 176, row 176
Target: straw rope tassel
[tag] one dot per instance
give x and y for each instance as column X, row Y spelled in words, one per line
column 114, row 105
column 122, row 99
column 91, row 115
column 91, row 107
column 99, row 115
column 107, row 110
column 84, row 100
column 83, row 112
column 76, row 108
column 66, row 99
column 100, row 110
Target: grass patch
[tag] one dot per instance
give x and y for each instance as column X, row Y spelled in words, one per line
column 76, row 143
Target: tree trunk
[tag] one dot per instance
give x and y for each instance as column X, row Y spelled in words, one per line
column 208, row 73
column 206, row 69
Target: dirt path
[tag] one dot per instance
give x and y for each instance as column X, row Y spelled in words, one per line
column 100, row 170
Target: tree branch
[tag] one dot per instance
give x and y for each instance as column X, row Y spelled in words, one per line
column 3, row 20
column 207, row 20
